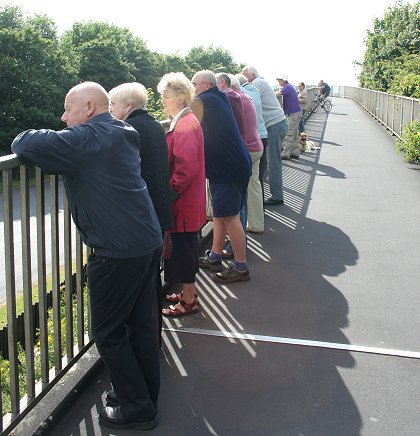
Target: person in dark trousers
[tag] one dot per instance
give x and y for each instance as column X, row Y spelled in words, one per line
column 128, row 103
column 99, row 159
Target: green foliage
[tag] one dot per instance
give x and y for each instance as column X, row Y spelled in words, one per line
column 410, row 142
column 4, row 364
column 108, row 54
column 154, row 105
column 37, row 68
column 34, row 75
column 406, row 76
column 392, row 51
column 213, row 58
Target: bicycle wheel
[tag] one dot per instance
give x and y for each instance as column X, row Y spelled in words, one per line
column 314, row 105
column 327, row 106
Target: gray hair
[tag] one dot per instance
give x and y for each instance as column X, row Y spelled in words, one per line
column 241, row 78
column 207, row 76
column 234, row 82
column 251, row 70
column 225, row 77
column 133, row 93
column 179, row 84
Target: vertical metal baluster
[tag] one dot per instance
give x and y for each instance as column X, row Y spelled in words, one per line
column 42, row 286
column 89, row 251
column 1, row 405
column 393, row 114
column 10, row 291
column 68, row 280
column 79, row 292
column 27, row 282
column 55, row 269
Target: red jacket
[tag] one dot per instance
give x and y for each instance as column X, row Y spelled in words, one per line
column 187, row 173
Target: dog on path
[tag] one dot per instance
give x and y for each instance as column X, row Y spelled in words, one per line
column 306, row 144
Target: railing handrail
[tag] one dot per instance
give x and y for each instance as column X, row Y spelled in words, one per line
column 9, row 161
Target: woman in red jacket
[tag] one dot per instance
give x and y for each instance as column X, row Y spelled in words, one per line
column 187, row 176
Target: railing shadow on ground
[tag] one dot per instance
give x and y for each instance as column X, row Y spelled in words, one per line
column 221, row 363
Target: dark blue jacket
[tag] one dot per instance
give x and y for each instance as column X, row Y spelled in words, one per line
column 227, row 159
column 100, row 164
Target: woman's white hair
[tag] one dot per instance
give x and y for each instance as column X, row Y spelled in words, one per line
column 133, row 93
column 179, row 84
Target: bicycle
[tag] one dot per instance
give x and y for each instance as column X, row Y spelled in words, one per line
column 316, row 103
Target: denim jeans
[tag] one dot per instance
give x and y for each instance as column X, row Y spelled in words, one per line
column 276, row 134
column 302, row 123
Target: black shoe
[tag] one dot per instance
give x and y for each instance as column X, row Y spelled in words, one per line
column 294, row 156
column 212, row 265
column 111, row 399
column 111, row 417
column 272, row 202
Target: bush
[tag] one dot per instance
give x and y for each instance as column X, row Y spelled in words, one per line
column 410, row 142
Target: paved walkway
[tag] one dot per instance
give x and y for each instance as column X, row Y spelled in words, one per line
column 319, row 341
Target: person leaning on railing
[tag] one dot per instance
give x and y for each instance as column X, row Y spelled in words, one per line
column 185, row 142
column 98, row 157
column 128, row 103
column 303, row 97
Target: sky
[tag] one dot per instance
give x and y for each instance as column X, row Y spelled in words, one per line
column 308, row 40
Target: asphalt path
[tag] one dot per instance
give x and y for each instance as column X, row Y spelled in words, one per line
column 324, row 338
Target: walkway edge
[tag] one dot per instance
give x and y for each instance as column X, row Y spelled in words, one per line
column 42, row 417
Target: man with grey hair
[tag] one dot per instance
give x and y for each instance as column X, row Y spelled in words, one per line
column 276, row 125
column 98, row 157
column 228, row 168
column 253, row 215
column 253, row 92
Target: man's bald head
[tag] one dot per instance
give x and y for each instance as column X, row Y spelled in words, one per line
column 83, row 102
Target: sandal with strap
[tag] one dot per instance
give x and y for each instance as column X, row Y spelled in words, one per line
column 176, row 298
column 184, row 309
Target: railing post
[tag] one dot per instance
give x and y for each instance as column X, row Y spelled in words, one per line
column 68, row 280
column 42, row 285
column 10, row 291
column 55, row 268
column 27, row 282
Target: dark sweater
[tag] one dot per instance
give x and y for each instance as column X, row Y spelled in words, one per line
column 227, row 159
column 154, row 163
column 100, row 164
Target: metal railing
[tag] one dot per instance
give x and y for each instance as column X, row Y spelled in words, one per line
column 393, row 111
column 34, row 363
column 37, row 230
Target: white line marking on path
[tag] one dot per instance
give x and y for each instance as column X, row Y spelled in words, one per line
column 302, row 342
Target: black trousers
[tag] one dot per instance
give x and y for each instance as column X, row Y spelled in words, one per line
column 124, row 325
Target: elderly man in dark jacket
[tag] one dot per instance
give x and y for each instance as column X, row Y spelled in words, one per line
column 99, row 160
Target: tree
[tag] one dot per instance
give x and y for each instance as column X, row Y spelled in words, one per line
column 391, row 59
column 213, row 58
column 109, row 55
column 35, row 75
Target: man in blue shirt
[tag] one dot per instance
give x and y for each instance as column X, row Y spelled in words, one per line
column 98, row 157
column 228, row 169
column 293, row 111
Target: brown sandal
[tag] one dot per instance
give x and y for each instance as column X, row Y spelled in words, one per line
column 176, row 298
column 186, row 309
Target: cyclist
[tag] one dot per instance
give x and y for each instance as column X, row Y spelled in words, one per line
column 324, row 91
